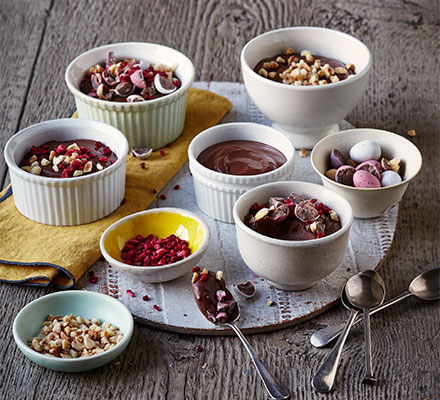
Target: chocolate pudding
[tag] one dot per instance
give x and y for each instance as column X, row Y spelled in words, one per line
column 214, row 300
column 303, row 69
column 241, row 157
column 278, row 219
column 128, row 80
column 69, row 158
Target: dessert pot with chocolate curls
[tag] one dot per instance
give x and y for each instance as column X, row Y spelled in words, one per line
column 228, row 159
column 305, row 79
column 371, row 168
column 67, row 171
column 140, row 88
column 293, row 234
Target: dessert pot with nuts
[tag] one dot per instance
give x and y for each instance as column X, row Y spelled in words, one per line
column 81, row 162
column 305, row 79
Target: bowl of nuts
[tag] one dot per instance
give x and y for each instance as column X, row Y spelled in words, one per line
column 292, row 233
column 139, row 88
column 371, row 168
column 305, row 79
column 156, row 245
column 67, row 171
column 73, row 330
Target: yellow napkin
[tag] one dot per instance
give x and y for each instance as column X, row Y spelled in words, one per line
column 37, row 254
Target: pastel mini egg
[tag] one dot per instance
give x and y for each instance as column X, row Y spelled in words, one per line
column 363, row 179
column 390, row 178
column 344, row 175
column 365, row 150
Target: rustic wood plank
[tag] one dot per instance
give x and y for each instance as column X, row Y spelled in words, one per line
column 22, row 30
column 400, row 96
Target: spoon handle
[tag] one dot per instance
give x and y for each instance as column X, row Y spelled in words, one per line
column 369, row 378
column 273, row 386
column 326, row 335
column 325, row 376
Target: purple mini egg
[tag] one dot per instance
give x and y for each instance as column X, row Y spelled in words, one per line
column 336, row 158
column 363, row 179
column 344, row 175
column 371, row 167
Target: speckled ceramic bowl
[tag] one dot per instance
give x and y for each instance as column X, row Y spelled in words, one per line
column 29, row 322
column 161, row 222
column 148, row 124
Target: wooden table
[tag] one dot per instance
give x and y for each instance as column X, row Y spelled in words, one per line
column 40, row 38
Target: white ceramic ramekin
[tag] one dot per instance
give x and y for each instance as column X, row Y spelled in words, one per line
column 291, row 264
column 368, row 203
column 215, row 192
column 70, row 201
column 306, row 113
column 148, row 124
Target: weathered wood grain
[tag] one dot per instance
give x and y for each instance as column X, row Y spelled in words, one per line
column 38, row 41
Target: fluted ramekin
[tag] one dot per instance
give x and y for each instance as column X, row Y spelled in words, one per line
column 216, row 192
column 148, row 124
column 69, row 201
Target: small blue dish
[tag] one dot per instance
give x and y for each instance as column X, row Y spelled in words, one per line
column 29, row 322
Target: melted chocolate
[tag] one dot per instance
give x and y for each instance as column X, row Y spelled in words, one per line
column 241, row 157
column 206, row 296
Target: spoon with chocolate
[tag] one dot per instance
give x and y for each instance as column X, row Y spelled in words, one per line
column 219, row 307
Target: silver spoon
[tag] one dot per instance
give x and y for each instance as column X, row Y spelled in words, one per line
column 365, row 291
column 425, row 286
column 273, row 386
column 325, row 376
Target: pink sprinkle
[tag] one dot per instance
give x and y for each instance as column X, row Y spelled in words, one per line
column 142, row 165
column 157, row 308
column 162, row 153
column 145, row 298
column 163, row 197
column 255, row 275
column 199, row 348
column 130, row 293
column 177, row 187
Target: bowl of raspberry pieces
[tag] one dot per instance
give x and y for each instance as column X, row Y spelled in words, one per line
column 156, row 245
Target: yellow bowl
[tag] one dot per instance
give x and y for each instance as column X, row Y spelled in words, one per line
column 161, row 222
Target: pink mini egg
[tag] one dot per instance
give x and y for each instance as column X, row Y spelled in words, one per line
column 363, row 179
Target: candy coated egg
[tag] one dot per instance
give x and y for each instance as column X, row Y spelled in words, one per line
column 344, row 174
column 365, row 150
column 363, row 179
column 390, row 178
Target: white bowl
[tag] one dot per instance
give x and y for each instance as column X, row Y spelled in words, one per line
column 216, row 192
column 70, row 201
column 368, row 203
column 160, row 222
column 290, row 264
column 147, row 124
column 29, row 322
column 306, row 113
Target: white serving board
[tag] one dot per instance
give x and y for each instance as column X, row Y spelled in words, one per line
column 370, row 240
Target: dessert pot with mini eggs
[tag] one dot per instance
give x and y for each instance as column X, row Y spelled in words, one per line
column 371, row 168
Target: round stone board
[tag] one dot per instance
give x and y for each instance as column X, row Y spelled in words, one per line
column 370, row 241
